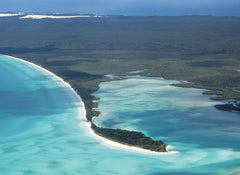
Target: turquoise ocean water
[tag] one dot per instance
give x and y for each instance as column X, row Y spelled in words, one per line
column 43, row 131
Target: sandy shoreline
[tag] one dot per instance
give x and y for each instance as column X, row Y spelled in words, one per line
column 105, row 141
column 114, row 145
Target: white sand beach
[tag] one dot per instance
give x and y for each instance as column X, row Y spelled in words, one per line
column 82, row 110
column 116, row 145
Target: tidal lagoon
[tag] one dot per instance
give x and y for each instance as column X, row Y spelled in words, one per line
column 44, row 131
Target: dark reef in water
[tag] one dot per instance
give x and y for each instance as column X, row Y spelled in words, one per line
column 229, row 107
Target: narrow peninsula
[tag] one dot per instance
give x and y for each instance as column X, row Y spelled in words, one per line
column 129, row 138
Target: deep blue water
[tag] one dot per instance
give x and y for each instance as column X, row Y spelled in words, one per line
column 43, row 131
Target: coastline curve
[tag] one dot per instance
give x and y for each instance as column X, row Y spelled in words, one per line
column 107, row 142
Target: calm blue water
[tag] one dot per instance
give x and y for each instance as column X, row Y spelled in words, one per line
column 42, row 130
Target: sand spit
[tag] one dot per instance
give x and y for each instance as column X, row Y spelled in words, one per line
column 105, row 141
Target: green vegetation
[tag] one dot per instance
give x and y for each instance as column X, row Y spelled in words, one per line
column 203, row 50
column 131, row 138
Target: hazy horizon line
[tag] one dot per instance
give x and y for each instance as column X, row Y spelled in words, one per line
column 144, row 15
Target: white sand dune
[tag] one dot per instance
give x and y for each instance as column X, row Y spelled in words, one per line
column 55, row 16
column 9, row 14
